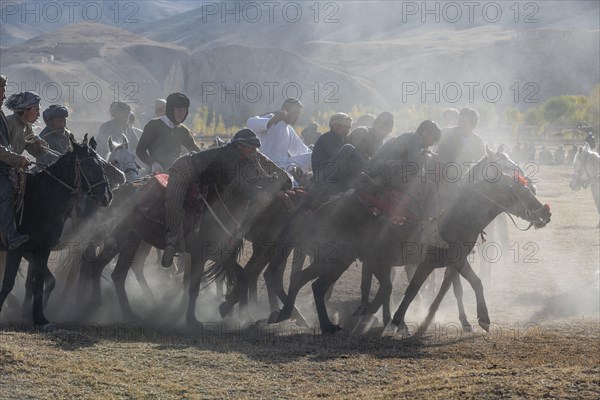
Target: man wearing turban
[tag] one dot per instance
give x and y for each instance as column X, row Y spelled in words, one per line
column 16, row 136
column 118, row 125
column 56, row 133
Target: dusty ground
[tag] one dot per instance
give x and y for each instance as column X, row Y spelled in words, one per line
column 545, row 338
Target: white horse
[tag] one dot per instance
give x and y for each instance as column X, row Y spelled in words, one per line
column 121, row 157
column 587, row 172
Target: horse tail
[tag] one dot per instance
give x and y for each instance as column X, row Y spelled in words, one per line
column 228, row 269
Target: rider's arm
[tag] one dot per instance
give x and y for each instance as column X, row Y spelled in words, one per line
column 189, row 142
column 259, row 124
column 144, row 144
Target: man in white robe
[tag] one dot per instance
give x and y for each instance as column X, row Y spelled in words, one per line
column 280, row 142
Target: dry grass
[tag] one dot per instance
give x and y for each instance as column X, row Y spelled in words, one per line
column 545, row 342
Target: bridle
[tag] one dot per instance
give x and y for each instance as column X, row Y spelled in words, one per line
column 527, row 215
column 80, row 177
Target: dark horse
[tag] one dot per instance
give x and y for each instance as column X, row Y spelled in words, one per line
column 80, row 219
column 49, row 198
column 481, row 201
column 218, row 238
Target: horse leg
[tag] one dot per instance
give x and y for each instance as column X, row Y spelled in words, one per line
column 458, row 293
column 196, row 272
column 424, row 269
column 410, row 270
column 239, row 291
column 49, row 285
column 13, row 259
column 273, row 276
column 125, row 261
column 26, row 308
column 366, row 279
column 320, row 288
column 90, row 272
column 138, row 268
column 40, row 261
column 297, row 281
column 482, row 312
column 383, row 275
column 252, row 271
column 448, row 279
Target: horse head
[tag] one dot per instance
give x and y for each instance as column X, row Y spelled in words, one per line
column 509, row 192
column 89, row 173
column 122, row 158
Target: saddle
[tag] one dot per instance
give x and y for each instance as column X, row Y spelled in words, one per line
column 396, row 206
column 150, row 201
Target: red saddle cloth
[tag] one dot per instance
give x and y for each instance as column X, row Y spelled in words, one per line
column 398, row 207
column 150, row 200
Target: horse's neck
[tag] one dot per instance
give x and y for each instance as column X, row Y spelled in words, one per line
column 468, row 216
column 48, row 193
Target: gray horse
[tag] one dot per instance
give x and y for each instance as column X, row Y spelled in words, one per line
column 587, row 172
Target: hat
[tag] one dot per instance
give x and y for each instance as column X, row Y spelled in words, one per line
column 340, row 119
column 246, row 138
column 176, row 100
column 21, row 101
column 55, row 111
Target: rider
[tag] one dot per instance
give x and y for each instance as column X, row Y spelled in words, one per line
column 117, row 126
column 16, row 136
column 335, row 162
column 280, row 141
column 400, row 163
column 55, row 133
column 462, row 147
column 368, row 139
column 161, row 141
column 235, row 162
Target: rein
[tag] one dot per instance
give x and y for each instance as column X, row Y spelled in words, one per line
column 507, row 212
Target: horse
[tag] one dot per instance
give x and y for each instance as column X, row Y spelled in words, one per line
column 481, row 200
column 411, row 259
column 586, row 167
column 346, row 225
column 218, row 237
column 58, row 187
column 78, row 219
column 122, row 158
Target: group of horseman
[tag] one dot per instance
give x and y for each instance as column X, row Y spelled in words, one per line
column 340, row 159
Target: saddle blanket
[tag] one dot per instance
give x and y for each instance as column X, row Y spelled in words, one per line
column 398, row 207
column 150, row 200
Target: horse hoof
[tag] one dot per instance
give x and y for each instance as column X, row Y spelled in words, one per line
column 274, row 317
column 331, row 329
column 467, row 328
column 485, row 325
column 225, row 309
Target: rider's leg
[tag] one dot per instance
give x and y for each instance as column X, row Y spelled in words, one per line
column 8, row 226
column 181, row 175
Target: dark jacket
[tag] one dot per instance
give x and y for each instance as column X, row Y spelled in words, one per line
column 325, row 149
column 224, row 166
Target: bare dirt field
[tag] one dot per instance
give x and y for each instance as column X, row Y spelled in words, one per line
column 543, row 299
